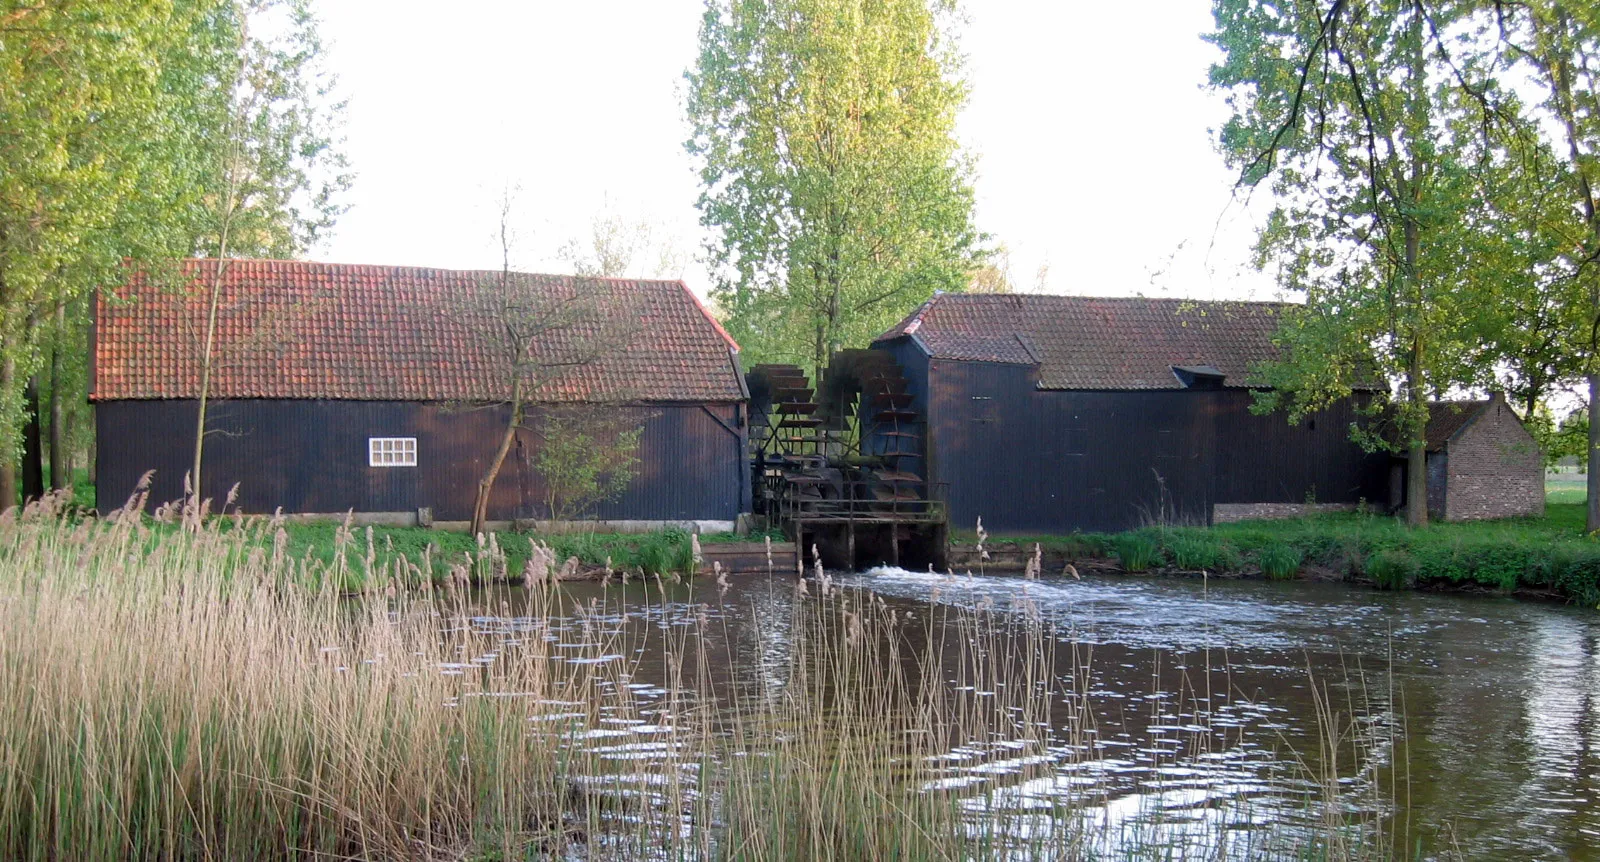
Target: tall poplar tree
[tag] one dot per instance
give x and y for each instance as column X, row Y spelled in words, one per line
column 832, row 181
column 274, row 171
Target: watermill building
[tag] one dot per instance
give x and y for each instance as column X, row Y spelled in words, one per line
column 1049, row 414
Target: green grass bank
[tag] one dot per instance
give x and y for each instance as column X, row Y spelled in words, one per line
column 438, row 555
column 1548, row 557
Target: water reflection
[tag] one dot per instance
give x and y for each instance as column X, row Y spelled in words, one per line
column 1189, row 713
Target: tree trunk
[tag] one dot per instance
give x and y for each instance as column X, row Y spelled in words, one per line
column 819, row 353
column 8, row 464
column 60, row 477
column 1417, row 484
column 32, row 445
column 1591, row 522
column 480, row 508
column 1416, row 425
column 1411, row 201
column 207, row 360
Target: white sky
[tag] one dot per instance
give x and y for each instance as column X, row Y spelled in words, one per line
column 1088, row 119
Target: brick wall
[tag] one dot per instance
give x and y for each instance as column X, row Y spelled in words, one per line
column 1495, row 469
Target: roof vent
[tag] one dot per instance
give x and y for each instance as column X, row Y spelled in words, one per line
column 1199, row 376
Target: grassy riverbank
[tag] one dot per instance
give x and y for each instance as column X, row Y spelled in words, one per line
column 178, row 696
column 1548, row 556
column 664, row 552
column 373, row 557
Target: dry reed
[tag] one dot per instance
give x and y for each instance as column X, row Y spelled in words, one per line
column 175, row 696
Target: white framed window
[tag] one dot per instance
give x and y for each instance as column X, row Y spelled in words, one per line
column 391, row 451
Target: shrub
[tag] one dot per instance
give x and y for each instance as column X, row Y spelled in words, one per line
column 1350, row 557
column 1577, row 575
column 1137, row 552
column 683, row 556
column 1228, row 558
column 1195, row 551
column 1279, row 561
column 656, row 555
column 1394, row 570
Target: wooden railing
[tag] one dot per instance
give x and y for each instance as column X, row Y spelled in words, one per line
column 789, row 504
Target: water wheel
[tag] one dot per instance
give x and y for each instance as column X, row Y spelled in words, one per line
column 838, row 467
column 788, row 454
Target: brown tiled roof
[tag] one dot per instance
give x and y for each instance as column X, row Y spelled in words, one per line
column 1095, row 343
column 294, row 329
column 1445, row 418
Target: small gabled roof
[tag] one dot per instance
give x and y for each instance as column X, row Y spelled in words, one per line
column 1445, row 418
column 297, row 329
column 1099, row 343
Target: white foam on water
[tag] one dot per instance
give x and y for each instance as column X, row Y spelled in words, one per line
column 898, row 573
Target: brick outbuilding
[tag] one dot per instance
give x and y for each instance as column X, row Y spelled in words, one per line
column 1482, row 462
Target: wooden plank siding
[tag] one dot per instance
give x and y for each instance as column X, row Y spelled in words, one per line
column 914, row 363
column 311, row 456
column 1266, row 459
column 1053, row 461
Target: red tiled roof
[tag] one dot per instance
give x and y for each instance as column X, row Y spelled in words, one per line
column 1096, row 343
column 294, row 329
column 1445, row 418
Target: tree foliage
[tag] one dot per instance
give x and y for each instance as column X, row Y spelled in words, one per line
column 275, row 171
column 1351, row 111
column 1506, row 203
column 619, row 246
column 587, row 455
column 1556, row 45
column 97, row 163
column 118, row 123
column 832, row 181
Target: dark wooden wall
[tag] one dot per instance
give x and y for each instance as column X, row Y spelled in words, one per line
column 1031, row 461
column 311, row 456
column 1265, row 459
column 915, row 365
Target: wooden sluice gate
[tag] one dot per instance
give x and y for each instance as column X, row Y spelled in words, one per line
column 750, row 558
column 838, row 467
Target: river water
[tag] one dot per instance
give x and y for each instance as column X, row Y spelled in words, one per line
column 1463, row 726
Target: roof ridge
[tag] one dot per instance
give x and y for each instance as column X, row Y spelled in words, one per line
column 733, row 345
column 921, row 312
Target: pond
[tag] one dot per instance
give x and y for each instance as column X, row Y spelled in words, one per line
column 1206, row 711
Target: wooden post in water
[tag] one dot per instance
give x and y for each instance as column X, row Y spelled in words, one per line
column 850, row 544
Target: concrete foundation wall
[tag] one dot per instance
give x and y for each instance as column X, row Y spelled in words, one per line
column 1227, row 513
